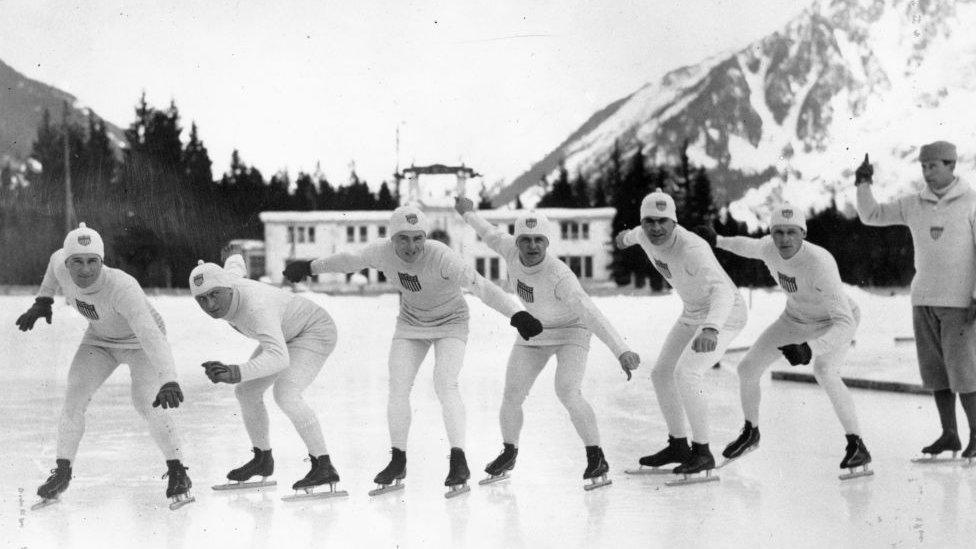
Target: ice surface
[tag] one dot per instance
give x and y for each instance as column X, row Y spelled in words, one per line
column 786, row 494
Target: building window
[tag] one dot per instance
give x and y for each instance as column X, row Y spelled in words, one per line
column 493, row 268
column 511, row 228
column 586, row 231
column 311, row 234
column 380, row 277
column 381, row 231
column 362, row 233
column 350, row 234
column 570, row 230
column 588, row 266
column 255, row 266
column 291, row 235
column 582, row 266
column 479, row 265
column 301, row 235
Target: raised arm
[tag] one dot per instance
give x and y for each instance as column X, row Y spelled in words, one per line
column 741, row 245
column 496, row 239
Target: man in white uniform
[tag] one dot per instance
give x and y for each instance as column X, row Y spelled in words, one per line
column 818, row 324
column 295, row 337
column 433, row 313
column 122, row 328
column 714, row 313
column 550, row 291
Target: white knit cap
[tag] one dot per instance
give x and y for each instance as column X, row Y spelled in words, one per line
column 207, row 276
column 533, row 223
column 788, row 214
column 83, row 241
column 658, row 204
column 408, row 218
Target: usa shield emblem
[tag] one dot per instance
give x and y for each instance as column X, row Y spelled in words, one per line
column 936, row 232
column 198, row 280
column 84, row 240
column 787, row 214
column 661, row 205
column 531, row 222
column 412, row 219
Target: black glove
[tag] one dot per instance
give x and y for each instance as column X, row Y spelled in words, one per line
column 296, row 271
column 218, row 372
column 864, row 173
column 170, row 396
column 707, row 233
column 527, row 325
column 41, row 307
column 797, row 354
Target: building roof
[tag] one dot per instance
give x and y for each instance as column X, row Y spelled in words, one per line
column 359, row 216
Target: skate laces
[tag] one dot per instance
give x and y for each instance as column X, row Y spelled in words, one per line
column 182, row 469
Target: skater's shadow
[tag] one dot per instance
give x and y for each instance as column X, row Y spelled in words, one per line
column 596, row 503
column 458, row 511
column 502, row 497
column 858, row 494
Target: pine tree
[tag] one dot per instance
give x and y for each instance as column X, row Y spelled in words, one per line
column 384, row 199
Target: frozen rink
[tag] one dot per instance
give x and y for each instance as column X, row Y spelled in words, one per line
column 786, row 494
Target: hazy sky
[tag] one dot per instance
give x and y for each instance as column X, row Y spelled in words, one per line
column 494, row 84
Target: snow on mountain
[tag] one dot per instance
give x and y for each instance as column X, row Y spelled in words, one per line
column 792, row 114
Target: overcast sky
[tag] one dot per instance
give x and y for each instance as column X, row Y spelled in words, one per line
column 494, row 84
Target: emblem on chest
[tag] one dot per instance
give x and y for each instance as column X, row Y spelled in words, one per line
column 409, row 282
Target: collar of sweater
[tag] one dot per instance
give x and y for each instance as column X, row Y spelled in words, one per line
column 954, row 190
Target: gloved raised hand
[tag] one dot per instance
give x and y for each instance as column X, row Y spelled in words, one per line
column 169, row 396
column 864, row 173
column 527, row 325
column 629, row 361
column 40, row 308
column 297, row 271
column 707, row 233
column 218, row 372
column 797, row 353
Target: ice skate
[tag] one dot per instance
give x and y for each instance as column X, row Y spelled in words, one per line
column 457, row 475
column 677, row 451
column 596, row 469
column 498, row 469
column 390, row 479
column 747, row 442
column 947, row 442
column 178, row 490
column 262, row 464
column 701, row 461
column 969, row 454
column 856, row 455
column 322, row 473
column 50, row 491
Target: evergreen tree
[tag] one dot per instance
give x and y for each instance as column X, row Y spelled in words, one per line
column 306, row 197
column 561, row 193
column 197, row 161
column 384, row 199
column 581, row 192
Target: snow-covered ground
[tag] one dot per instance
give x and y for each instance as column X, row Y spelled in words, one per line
column 785, row 495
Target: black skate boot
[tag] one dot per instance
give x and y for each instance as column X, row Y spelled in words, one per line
column 677, row 451
column 948, row 441
column 178, row 490
column 457, row 474
column 322, row 472
column 970, row 451
column 498, row 469
column 389, row 479
column 856, row 455
column 54, row 485
column 701, row 460
column 596, row 469
column 748, row 441
column 262, row 465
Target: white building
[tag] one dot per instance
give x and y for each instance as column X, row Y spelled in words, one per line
column 583, row 238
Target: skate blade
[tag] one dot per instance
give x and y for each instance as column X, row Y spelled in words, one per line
column 384, row 489
column 594, row 483
column 934, row 459
column 457, row 490
column 244, row 485
column 696, row 478
column 650, row 471
column 325, row 494
column 44, row 503
column 493, row 479
column 728, row 461
column 865, row 472
column 179, row 501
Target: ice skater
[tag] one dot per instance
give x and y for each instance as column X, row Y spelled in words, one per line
column 942, row 220
column 295, row 338
column 818, row 324
column 122, row 328
column 713, row 314
column 551, row 292
column 433, row 313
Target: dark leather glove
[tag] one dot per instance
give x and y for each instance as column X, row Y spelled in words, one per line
column 797, row 354
column 707, row 233
column 864, row 173
column 296, row 271
column 218, row 372
column 169, row 396
column 527, row 325
column 40, row 308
